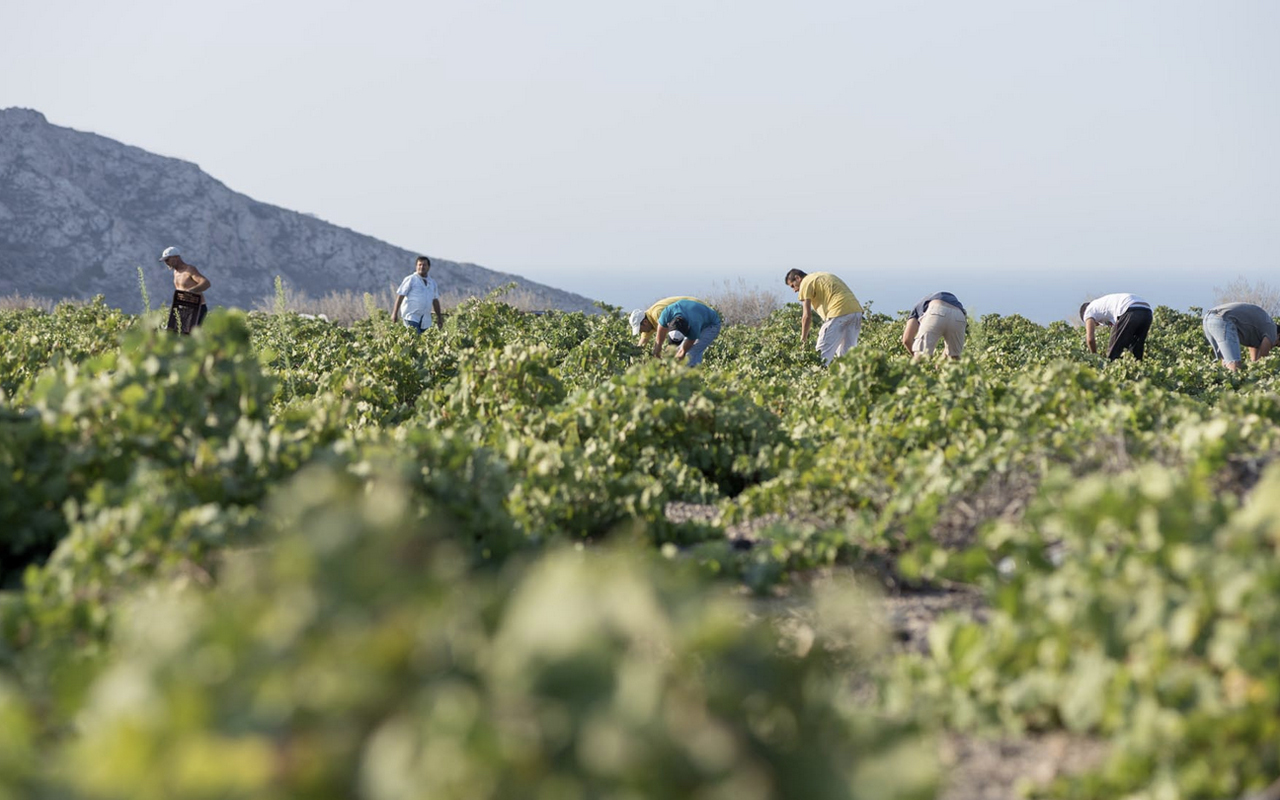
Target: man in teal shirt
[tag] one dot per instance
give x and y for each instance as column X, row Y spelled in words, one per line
column 698, row 322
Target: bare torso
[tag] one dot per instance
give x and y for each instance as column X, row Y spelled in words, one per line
column 189, row 279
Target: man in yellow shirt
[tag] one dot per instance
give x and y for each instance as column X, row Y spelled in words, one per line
column 646, row 322
column 840, row 311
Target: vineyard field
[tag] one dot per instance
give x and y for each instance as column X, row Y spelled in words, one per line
column 521, row 558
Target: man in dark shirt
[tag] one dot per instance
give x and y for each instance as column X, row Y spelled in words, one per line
column 938, row 316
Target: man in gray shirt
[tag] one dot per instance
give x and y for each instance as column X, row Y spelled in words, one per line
column 1232, row 325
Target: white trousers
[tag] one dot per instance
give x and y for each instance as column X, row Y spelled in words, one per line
column 839, row 335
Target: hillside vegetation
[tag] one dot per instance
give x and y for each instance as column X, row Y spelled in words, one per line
column 521, row 559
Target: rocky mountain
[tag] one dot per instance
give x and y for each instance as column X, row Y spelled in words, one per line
column 79, row 213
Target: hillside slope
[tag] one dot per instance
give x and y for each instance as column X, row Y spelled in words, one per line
column 80, row 212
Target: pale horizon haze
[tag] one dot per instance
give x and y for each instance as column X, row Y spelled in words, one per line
column 1023, row 155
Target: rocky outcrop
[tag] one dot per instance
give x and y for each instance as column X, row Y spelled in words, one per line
column 79, row 213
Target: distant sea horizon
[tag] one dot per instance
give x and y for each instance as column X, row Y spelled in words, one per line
column 1041, row 295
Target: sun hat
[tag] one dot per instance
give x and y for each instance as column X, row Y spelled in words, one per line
column 637, row 317
column 170, row 252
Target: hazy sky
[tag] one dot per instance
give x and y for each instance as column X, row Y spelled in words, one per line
column 1021, row 153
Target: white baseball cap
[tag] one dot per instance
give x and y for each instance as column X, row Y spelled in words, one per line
column 170, row 252
column 637, row 317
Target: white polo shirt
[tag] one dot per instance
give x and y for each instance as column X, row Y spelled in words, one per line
column 1110, row 306
column 418, row 293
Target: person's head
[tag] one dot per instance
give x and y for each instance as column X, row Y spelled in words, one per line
column 639, row 322
column 1083, row 307
column 794, row 277
column 171, row 257
column 422, row 266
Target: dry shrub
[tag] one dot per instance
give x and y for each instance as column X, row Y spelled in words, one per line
column 518, row 297
column 340, row 308
column 740, row 304
column 17, row 302
column 1242, row 290
column 345, row 308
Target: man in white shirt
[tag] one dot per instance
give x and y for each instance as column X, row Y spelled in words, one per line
column 419, row 296
column 1129, row 318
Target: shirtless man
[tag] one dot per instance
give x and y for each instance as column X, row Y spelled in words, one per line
column 186, row 278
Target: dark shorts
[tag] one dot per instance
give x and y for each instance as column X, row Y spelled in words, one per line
column 1130, row 333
